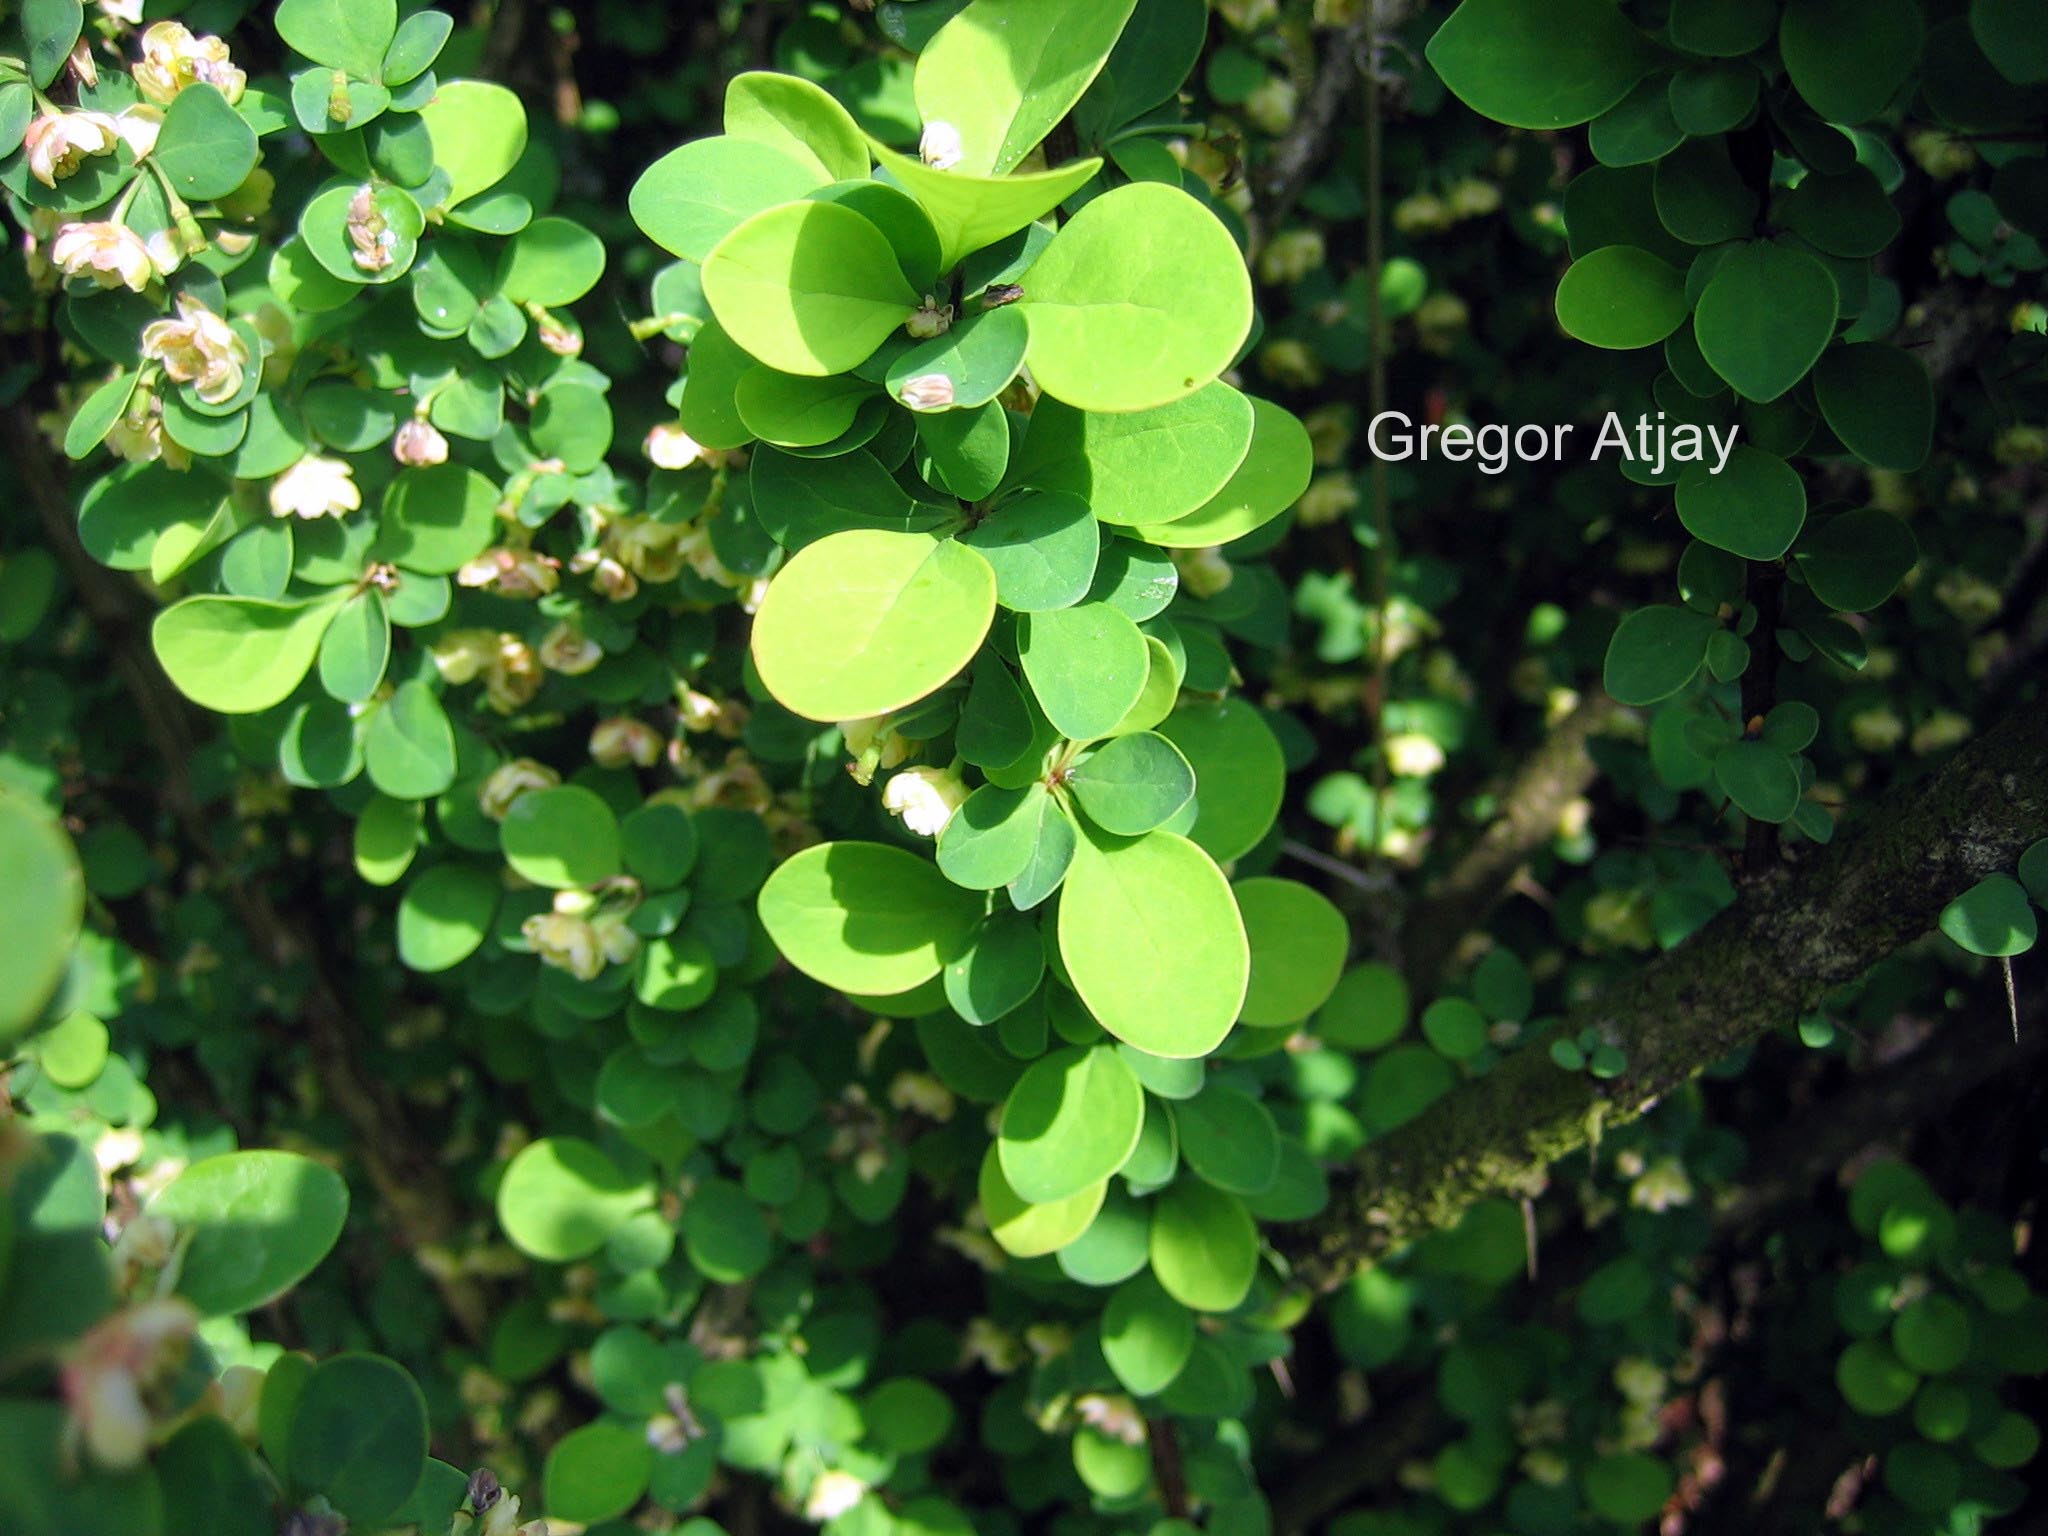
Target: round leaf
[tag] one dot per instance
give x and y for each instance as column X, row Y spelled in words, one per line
column 1754, row 507
column 1139, row 467
column 807, row 287
column 1141, row 298
column 1205, row 1247
column 1151, row 936
column 1539, row 63
column 1993, row 917
column 1298, row 943
column 864, row 917
column 561, row 837
column 1765, row 318
column 359, row 1437
column 1071, row 1120
column 561, row 1198
column 237, row 655
column 258, row 1223
column 865, row 622
column 1619, row 297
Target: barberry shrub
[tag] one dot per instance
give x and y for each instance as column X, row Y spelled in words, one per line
column 780, row 753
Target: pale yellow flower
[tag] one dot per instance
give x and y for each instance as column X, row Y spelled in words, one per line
column 567, row 650
column 58, row 143
column 315, row 487
column 514, row 675
column 925, row 798
column 112, row 255
column 198, row 348
column 511, row 572
column 172, row 58
column 565, row 941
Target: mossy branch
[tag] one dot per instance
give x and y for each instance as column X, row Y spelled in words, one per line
column 1760, row 964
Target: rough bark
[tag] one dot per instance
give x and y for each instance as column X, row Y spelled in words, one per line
column 1760, row 964
column 1885, row 1106
column 1559, row 771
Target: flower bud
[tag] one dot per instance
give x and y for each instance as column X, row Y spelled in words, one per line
column 621, row 740
column 1291, row 255
column 832, row 1494
column 941, row 147
column 419, row 443
column 1203, row 572
column 462, row 654
column 1413, row 755
column 370, row 235
column 929, row 319
column 508, row 781
column 668, row 446
column 925, row 798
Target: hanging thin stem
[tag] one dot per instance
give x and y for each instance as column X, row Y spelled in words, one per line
column 1376, row 323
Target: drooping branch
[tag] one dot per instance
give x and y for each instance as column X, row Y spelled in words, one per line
column 1885, row 1106
column 1346, row 54
column 1535, row 796
column 407, row 1177
column 1758, row 965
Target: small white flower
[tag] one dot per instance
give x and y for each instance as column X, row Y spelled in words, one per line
column 315, row 487
column 832, row 1495
column 111, row 1375
column 138, row 127
column 925, row 798
column 668, row 446
column 1413, row 755
column 941, row 147
column 927, row 392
